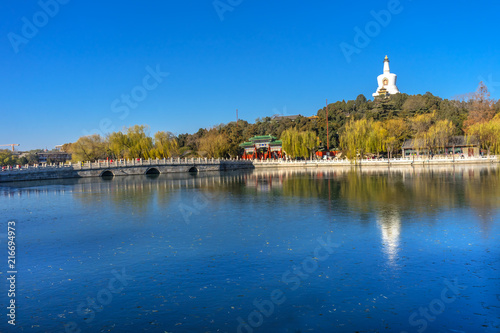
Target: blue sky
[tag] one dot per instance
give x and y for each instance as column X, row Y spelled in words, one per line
column 69, row 76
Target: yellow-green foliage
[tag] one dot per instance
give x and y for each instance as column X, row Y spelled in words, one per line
column 89, row 148
column 165, row 145
column 397, row 132
column 6, row 157
column 439, row 134
column 133, row 142
column 488, row 134
column 299, row 144
column 214, row 144
column 354, row 139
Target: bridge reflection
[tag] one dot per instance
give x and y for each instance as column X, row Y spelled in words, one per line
column 387, row 192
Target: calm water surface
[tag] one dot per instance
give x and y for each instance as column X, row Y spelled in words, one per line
column 320, row 250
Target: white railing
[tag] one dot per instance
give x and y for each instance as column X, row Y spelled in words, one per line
column 381, row 161
column 121, row 163
column 212, row 161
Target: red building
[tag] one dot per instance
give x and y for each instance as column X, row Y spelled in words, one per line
column 262, row 147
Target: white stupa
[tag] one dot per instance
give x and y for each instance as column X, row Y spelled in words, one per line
column 386, row 82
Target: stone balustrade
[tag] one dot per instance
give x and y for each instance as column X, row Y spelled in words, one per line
column 175, row 165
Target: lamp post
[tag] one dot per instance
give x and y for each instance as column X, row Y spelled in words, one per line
column 327, row 139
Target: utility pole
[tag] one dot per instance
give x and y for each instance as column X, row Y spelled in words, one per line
column 236, row 117
column 327, row 138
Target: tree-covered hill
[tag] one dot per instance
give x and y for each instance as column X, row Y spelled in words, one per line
column 386, row 123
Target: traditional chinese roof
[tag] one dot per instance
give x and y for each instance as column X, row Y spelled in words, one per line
column 454, row 141
column 246, row 144
column 463, row 141
column 260, row 139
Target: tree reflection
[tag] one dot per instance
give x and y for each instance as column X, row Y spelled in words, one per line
column 482, row 192
column 390, row 194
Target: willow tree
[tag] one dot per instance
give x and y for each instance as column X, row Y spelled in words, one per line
column 420, row 125
column 139, row 143
column 397, row 132
column 354, row 139
column 165, row 145
column 299, row 144
column 133, row 142
column 377, row 137
column 117, row 144
column 440, row 133
column 89, row 148
column 488, row 134
column 290, row 142
column 309, row 141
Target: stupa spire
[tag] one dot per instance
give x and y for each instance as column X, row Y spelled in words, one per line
column 386, row 65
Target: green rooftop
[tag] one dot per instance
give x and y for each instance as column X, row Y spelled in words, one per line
column 263, row 137
column 251, row 142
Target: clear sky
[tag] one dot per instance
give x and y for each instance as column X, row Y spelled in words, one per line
column 84, row 66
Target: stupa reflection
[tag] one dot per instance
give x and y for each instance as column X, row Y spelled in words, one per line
column 389, row 222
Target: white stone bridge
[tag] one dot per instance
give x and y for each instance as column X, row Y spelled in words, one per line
column 120, row 168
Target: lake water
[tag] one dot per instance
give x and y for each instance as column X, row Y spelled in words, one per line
column 318, row 250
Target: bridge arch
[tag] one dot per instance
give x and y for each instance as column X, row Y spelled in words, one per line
column 193, row 169
column 106, row 174
column 152, row 171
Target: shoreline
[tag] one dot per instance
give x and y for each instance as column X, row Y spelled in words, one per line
column 172, row 166
column 378, row 163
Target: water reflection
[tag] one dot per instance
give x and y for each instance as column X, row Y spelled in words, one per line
column 402, row 231
column 389, row 223
column 388, row 192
